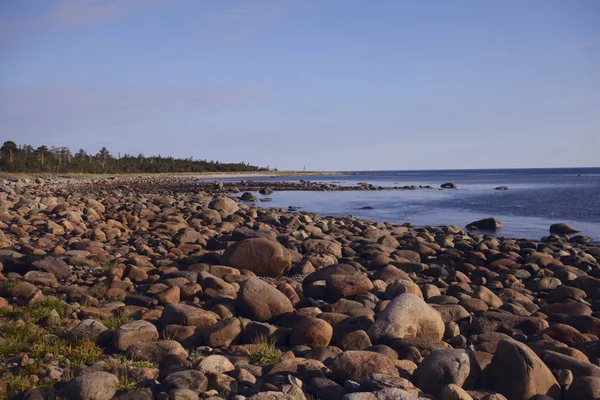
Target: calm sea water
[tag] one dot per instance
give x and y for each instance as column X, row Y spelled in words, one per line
column 536, row 198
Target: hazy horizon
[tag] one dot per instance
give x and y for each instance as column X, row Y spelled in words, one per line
column 332, row 86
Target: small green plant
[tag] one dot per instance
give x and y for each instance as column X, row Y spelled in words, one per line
column 6, row 287
column 18, row 336
column 42, row 309
column 106, row 267
column 116, row 320
column 123, row 361
column 265, row 351
column 99, row 289
column 84, row 352
column 126, row 384
column 169, row 335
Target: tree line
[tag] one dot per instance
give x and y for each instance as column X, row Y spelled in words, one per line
column 26, row 158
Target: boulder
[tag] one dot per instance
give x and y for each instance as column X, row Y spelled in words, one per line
column 53, row 265
column 322, row 246
column 562, row 229
column 134, row 332
column 360, row 365
column 156, row 351
column 183, row 314
column 215, row 364
column 262, row 256
column 518, row 373
column 441, row 368
column 312, row 332
column 489, row 224
column 449, row 185
column 97, row 385
column 260, row 301
column 190, row 379
column 586, row 387
column 407, row 316
column 224, row 204
column 86, row 329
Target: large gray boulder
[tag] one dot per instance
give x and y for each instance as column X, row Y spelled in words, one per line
column 97, row 385
column 407, row 316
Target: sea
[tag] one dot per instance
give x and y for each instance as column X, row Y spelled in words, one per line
column 535, row 199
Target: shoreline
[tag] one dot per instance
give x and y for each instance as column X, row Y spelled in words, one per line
column 204, row 175
column 144, row 289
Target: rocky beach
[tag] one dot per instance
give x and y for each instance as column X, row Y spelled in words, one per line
column 180, row 288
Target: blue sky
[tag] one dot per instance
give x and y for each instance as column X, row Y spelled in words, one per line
column 328, row 84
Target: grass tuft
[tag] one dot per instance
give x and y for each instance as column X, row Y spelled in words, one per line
column 42, row 309
column 106, row 267
column 99, row 289
column 126, row 384
column 115, row 321
column 6, row 287
column 123, row 361
column 265, row 352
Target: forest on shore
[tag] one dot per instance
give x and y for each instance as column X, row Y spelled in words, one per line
column 27, row 159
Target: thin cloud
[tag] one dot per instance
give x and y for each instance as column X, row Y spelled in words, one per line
column 68, row 15
column 54, row 109
column 73, row 14
column 577, row 46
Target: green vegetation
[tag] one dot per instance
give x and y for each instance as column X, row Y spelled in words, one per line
column 6, row 287
column 37, row 311
column 42, row 309
column 26, row 158
column 265, row 351
column 120, row 361
column 117, row 320
column 106, row 267
column 99, row 289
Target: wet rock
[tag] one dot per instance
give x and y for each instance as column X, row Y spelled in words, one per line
column 562, row 229
column 449, row 185
column 491, row 224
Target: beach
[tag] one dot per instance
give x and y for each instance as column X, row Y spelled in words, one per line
column 152, row 288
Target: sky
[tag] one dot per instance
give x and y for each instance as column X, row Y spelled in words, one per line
column 316, row 84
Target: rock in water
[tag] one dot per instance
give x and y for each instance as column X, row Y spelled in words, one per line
column 407, row 316
column 247, row 196
column 260, row 301
column 262, row 256
column 518, row 373
column 449, row 185
column 562, row 229
column 491, row 224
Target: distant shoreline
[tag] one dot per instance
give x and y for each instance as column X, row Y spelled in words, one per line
column 203, row 175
